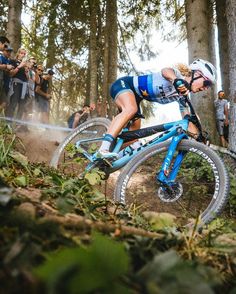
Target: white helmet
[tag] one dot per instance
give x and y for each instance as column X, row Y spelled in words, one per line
column 207, row 69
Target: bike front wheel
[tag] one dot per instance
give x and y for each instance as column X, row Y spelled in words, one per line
column 70, row 158
column 198, row 194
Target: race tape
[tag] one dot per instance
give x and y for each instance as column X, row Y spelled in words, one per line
column 44, row 126
column 35, row 124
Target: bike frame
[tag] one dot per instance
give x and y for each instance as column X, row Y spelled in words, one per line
column 174, row 130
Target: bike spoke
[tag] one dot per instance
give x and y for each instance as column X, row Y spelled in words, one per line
column 197, row 181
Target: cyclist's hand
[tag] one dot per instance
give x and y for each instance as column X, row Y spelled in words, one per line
column 181, row 86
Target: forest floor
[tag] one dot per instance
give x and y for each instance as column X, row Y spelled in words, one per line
column 49, row 212
column 39, row 145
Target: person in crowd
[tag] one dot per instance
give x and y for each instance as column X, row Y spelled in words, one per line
column 31, row 87
column 4, row 68
column 222, row 117
column 4, row 42
column 18, row 86
column 38, row 69
column 5, row 59
column 166, row 86
column 80, row 116
column 43, row 96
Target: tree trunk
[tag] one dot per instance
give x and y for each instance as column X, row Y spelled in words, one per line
column 14, row 23
column 112, row 41
column 231, row 16
column 199, row 29
column 110, row 53
column 223, row 44
column 52, row 34
column 105, row 90
column 93, row 59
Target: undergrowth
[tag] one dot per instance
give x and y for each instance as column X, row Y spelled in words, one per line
column 62, row 235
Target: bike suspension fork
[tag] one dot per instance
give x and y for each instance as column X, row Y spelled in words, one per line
column 166, row 173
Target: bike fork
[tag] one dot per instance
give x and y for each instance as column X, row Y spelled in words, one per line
column 167, row 175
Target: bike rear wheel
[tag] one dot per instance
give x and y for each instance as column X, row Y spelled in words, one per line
column 70, row 159
column 202, row 185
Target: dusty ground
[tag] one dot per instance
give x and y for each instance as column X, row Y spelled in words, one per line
column 39, row 145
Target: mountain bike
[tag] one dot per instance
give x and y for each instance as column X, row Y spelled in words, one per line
column 169, row 173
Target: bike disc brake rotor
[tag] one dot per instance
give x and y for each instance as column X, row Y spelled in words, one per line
column 170, row 193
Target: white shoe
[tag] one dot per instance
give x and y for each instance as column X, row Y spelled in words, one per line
column 106, row 154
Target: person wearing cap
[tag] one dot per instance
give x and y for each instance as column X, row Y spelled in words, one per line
column 4, row 68
column 44, row 96
column 5, row 59
column 222, row 117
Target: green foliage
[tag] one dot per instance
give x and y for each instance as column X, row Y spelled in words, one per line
column 202, row 171
column 232, row 193
column 6, row 145
column 168, row 273
column 69, row 259
column 99, row 267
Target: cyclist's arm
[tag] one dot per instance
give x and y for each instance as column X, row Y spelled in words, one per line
column 169, row 74
column 40, row 92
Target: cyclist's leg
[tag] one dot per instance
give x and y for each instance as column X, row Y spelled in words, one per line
column 125, row 100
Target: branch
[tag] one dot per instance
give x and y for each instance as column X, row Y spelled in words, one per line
column 75, row 221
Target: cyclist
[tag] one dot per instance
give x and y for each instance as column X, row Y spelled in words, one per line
column 166, row 86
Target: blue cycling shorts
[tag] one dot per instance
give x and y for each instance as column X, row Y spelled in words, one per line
column 120, row 86
column 123, row 85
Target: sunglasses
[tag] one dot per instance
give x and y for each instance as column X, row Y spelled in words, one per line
column 206, row 83
column 39, row 69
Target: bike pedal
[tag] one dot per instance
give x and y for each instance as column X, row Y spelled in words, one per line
column 107, row 162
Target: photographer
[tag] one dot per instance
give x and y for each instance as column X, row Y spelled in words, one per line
column 43, row 96
column 4, row 68
column 80, row 116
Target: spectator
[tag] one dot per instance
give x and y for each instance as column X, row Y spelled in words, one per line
column 38, row 74
column 18, row 86
column 43, row 96
column 5, row 59
column 4, row 43
column 80, row 116
column 31, row 86
column 222, row 116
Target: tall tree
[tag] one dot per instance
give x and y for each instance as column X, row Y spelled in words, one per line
column 223, row 44
column 199, row 29
column 231, row 16
column 110, row 51
column 53, row 6
column 14, row 23
column 93, row 52
column 3, row 16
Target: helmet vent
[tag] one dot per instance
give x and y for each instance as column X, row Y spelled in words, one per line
column 208, row 67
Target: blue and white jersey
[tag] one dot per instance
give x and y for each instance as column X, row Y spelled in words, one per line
column 153, row 87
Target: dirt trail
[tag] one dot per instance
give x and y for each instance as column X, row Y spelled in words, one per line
column 39, row 145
